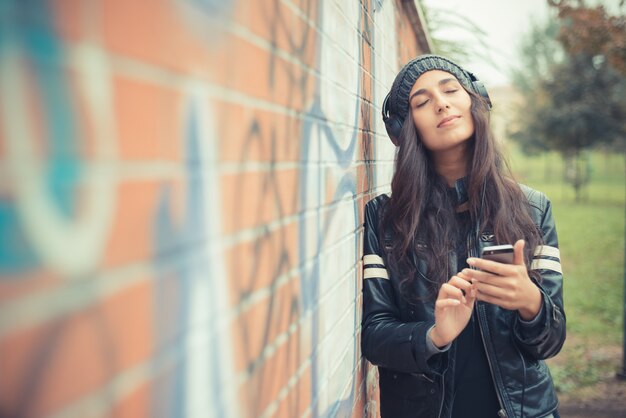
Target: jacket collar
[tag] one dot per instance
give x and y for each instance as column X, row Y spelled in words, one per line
column 459, row 190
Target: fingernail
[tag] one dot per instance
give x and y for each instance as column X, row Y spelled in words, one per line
column 471, row 261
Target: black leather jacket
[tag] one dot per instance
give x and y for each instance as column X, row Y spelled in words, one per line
column 417, row 382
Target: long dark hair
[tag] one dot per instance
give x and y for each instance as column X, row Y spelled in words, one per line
column 421, row 214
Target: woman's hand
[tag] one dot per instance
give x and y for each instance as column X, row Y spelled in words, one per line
column 453, row 310
column 506, row 285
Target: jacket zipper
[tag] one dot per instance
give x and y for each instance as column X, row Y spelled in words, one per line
column 502, row 411
column 443, row 394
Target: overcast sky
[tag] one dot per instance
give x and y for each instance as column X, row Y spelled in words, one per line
column 505, row 23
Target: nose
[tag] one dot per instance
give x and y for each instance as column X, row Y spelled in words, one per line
column 441, row 103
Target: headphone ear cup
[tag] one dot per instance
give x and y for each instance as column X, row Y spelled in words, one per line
column 394, row 128
column 392, row 124
column 480, row 88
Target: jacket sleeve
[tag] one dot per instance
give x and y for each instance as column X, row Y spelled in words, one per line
column 544, row 336
column 386, row 340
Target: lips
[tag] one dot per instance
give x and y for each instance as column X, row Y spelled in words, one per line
column 446, row 121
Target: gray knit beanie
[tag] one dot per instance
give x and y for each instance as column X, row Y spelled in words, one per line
column 402, row 85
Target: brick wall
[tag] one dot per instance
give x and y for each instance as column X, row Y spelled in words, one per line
column 181, row 195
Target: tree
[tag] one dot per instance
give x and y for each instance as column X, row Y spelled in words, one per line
column 591, row 30
column 582, row 110
column 574, row 93
column 540, row 52
column 594, row 32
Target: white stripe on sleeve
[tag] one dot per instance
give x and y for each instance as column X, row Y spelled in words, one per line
column 375, row 273
column 539, row 264
column 547, row 251
column 373, row 259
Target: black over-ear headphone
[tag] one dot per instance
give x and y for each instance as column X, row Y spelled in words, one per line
column 393, row 123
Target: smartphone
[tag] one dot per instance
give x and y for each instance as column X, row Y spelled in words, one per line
column 499, row 253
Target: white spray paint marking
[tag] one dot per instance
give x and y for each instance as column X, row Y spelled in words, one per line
column 71, row 247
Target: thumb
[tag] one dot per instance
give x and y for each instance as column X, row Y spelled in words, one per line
column 518, row 252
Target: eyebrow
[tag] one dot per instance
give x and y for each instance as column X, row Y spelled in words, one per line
column 440, row 83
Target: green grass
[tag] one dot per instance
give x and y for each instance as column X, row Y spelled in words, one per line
column 591, row 239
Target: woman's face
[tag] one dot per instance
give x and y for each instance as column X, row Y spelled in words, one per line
column 440, row 108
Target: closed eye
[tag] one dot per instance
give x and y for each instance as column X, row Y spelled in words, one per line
column 422, row 103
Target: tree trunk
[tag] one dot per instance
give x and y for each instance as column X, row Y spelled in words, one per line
column 622, row 374
column 577, row 175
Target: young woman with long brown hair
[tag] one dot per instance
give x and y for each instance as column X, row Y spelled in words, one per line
column 453, row 334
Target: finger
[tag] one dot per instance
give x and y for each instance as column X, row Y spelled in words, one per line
column 446, row 303
column 495, row 301
column 464, row 276
column 460, row 283
column 489, row 290
column 488, row 299
column 489, row 266
column 468, row 277
column 483, row 276
column 518, row 252
column 453, row 292
column 466, row 288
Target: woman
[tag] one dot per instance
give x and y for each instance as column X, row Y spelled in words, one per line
column 455, row 335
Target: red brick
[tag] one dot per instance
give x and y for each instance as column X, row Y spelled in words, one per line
column 136, row 404
column 251, row 199
column 68, row 16
column 56, row 363
column 266, row 382
column 148, row 121
column 255, row 265
column 133, row 227
column 22, row 284
column 281, row 26
column 145, row 30
column 259, row 326
column 257, row 135
column 298, row 399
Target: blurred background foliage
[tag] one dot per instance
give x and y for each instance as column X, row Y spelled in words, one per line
column 476, row 43
column 573, row 84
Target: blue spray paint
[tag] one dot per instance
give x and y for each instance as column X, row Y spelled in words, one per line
column 347, row 186
column 27, row 26
column 180, row 260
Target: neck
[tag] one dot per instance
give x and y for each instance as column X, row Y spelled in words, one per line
column 450, row 165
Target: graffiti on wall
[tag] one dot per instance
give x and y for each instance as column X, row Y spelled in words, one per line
column 55, row 210
column 190, row 294
column 50, row 183
column 60, row 202
column 335, row 131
